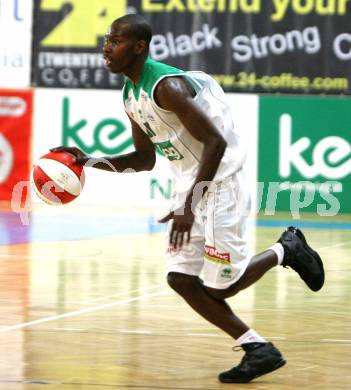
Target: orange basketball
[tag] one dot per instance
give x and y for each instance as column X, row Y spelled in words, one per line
column 56, row 179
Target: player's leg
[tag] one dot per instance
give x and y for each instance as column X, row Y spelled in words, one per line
column 229, row 218
column 260, row 358
column 257, row 267
column 214, row 310
column 226, row 262
column 185, row 265
column 291, row 250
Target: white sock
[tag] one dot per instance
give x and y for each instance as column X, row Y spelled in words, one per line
column 279, row 251
column 250, row 337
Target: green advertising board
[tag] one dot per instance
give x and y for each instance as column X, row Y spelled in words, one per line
column 304, row 154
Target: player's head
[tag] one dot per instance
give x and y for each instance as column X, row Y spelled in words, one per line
column 126, row 41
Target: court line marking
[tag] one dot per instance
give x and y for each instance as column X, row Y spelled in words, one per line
column 203, row 335
column 334, row 245
column 171, row 318
column 121, row 294
column 55, row 258
column 342, row 313
column 307, row 368
column 336, row 340
column 198, row 334
column 44, row 257
column 82, row 311
column 135, row 331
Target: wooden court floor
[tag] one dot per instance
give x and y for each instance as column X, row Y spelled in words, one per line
column 84, row 305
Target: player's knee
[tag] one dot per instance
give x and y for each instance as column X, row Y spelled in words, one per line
column 180, row 283
column 219, row 294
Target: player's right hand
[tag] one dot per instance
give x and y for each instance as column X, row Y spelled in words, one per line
column 81, row 157
column 181, row 227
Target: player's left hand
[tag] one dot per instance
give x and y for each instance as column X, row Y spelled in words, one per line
column 181, row 227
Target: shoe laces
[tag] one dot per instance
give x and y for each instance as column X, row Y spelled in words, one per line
column 238, row 348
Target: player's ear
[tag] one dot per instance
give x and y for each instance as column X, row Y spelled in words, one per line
column 140, row 47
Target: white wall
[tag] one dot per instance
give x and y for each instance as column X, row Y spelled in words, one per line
column 15, row 43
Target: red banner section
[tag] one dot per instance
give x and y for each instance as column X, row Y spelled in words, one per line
column 15, row 133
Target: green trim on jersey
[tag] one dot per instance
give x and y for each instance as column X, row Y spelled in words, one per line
column 151, row 72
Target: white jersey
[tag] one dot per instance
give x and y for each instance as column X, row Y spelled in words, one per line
column 169, row 135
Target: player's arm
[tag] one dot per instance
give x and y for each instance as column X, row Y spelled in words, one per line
column 142, row 159
column 173, row 94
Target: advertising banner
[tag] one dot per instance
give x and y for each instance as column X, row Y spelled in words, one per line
column 15, row 43
column 304, row 154
column 300, row 46
column 15, row 136
column 68, row 37
column 95, row 121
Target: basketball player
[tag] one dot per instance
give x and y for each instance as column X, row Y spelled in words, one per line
column 185, row 116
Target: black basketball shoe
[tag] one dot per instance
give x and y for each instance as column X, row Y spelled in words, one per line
column 299, row 256
column 259, row 359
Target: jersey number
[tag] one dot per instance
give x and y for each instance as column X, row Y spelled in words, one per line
column 169, row 151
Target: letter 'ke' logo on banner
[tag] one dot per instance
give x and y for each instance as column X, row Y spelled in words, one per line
column 87, row 21
column 306, row 139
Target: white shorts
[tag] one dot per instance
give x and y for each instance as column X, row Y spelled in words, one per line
column 218, row 249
